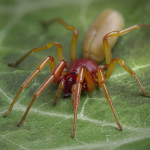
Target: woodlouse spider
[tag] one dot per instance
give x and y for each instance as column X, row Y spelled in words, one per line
column 80, row 74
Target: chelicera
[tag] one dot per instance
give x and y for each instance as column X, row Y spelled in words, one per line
column 80, row 74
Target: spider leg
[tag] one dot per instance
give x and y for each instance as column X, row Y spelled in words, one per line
column 37, row 49
column 72, row 50
column 53, row 77
column 56, row 72
column 107, row 48
column 61, row 86
column 101, row 83
column 122, row 63
column 76, row 90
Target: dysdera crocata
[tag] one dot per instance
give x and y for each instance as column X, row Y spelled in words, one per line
column 80, row 74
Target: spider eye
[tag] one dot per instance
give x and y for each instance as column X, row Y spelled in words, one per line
column 74, row 73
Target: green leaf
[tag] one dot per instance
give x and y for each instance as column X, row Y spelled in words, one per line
column 48, row 126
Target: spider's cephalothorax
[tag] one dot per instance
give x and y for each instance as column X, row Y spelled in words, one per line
column 81, row 74
column 73, row 70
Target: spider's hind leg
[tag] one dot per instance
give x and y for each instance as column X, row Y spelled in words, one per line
column 73, row 42
column 41, row 48
column 107, row 48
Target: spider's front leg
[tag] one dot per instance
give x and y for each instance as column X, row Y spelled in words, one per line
column 61, row 86
column 54, row 77
column 100, row 80
column 111, row 68
column 52, row 64
column 76, row 90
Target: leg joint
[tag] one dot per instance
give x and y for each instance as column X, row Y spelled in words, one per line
column 35, row 95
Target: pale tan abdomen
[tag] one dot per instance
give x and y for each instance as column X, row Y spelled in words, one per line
column 109, row 20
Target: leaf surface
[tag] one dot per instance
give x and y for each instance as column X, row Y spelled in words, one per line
column 50, row 127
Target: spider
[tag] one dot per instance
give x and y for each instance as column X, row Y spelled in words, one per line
column 80, row 74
